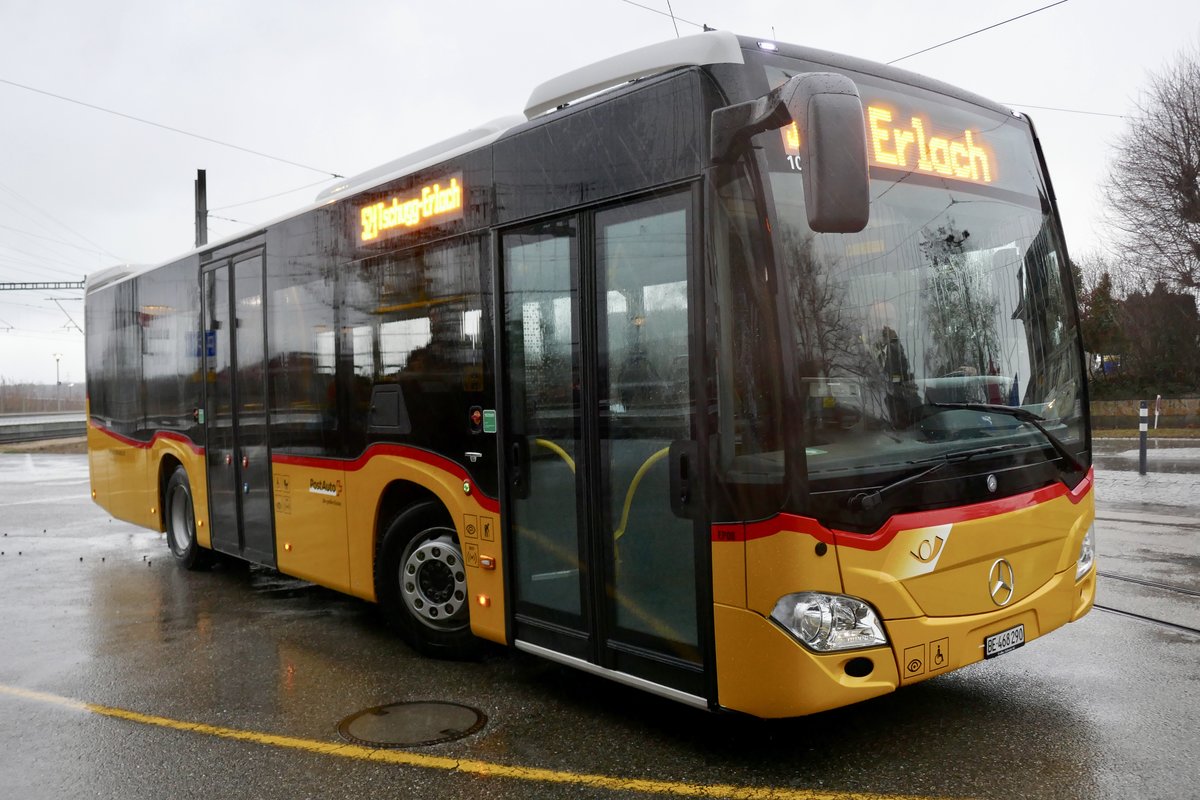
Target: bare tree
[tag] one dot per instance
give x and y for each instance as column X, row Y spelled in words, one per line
column 1153, row 188
column 826, row 331
column 963, row 307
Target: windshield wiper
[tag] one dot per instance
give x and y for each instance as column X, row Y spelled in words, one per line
column 1024, row 415
column 865, row 501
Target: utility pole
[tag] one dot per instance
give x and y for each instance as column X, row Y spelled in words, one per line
column 201, row 209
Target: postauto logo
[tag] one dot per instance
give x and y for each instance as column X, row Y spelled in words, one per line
column 328, row 488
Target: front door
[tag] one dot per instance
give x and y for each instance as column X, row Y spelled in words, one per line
column 599, row 396
column 239, row 473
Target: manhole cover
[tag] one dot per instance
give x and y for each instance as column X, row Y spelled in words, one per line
column 411, row 724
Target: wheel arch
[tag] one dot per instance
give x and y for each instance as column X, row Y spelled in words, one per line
column 398, row 496
column 166, row 468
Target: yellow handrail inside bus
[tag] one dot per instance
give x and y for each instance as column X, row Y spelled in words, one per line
column 655, row 623
column 437, row 301
column 633, row 484
column 553, row 448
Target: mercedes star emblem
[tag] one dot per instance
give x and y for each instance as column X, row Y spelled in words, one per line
column 1002, row 582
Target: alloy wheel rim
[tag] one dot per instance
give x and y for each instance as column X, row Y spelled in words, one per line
column 433, row 580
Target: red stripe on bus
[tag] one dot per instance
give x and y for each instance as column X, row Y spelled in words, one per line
column 794, row 523
column 388, row 449
column 175, row 437
column 790, row 522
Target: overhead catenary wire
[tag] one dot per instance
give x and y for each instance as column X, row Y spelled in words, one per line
column 52, row 218
column 64, row 242
column 671, row 11
column 14, row 304
column 40, row 265
column 1070, row 110
column 170, row 128
column 71, row 319
column 674, row 18
column 981, row 30
column 41, row 261
column 665, row 14
column 270, row 196
column 227, row 219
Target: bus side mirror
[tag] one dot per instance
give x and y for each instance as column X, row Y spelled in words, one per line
column 833, row 144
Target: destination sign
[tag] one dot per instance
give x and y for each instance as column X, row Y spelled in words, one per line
column 426, row 205
column 916, row 144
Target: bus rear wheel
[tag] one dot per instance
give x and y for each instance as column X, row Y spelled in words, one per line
column 181, row 523
column 421, row 583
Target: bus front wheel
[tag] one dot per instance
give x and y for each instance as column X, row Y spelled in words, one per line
column 421, row 583
column 181, row 523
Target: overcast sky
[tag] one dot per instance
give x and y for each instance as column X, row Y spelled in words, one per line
column 342, row 87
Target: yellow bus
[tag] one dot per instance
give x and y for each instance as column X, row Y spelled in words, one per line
column 740, row 372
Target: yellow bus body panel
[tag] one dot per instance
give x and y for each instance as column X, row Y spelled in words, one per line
column 763, row 671
column 191, row 458
column 332, row 539
column 942, row 569
column 124, row 477
column 799, row 555
column 119, row 479
column 311, row 539
column 729, row 565
column 928, row 577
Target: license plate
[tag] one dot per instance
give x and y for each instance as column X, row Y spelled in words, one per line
column 1000, row 643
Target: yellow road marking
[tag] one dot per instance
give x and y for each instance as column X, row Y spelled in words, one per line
column 465, row 766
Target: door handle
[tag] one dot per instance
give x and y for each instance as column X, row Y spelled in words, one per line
column 686, row 487
column 518, row 473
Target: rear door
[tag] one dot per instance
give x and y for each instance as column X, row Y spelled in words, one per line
column 237, row 448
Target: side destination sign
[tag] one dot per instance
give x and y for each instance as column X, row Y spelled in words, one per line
column 422, row 206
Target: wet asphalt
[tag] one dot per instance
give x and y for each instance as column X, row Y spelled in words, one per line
column 93, row 610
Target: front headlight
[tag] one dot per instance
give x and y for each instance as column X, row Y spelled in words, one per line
column 1087, row 553
column 828, row 622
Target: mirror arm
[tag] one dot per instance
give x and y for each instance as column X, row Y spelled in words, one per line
column 733, row 126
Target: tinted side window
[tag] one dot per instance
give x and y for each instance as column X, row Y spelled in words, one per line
column 114, row 358
column 418, row 320
column 168, row 314
column 302, row 363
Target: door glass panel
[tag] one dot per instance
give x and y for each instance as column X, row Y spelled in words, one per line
column 542, row 345
column 219, row 433
column 642, row 302
column 251, row 456
column 239, row 471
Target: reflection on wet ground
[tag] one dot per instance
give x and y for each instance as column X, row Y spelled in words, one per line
column 1162, row 455
column 93, row 609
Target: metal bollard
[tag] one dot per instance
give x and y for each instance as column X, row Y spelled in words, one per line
column 1143, row 423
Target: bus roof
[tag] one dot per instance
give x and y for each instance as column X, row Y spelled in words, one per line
column 713, row 47
column 710, row 47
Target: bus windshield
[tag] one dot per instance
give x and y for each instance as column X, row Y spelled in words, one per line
column 952, row 297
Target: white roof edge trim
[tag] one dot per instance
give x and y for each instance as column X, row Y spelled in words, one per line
column 713, row 47
column 107, row 275
column 425, row 157
column 405, row 165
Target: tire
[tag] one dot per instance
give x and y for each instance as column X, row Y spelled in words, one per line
column 181, row 523
column 420, row 581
